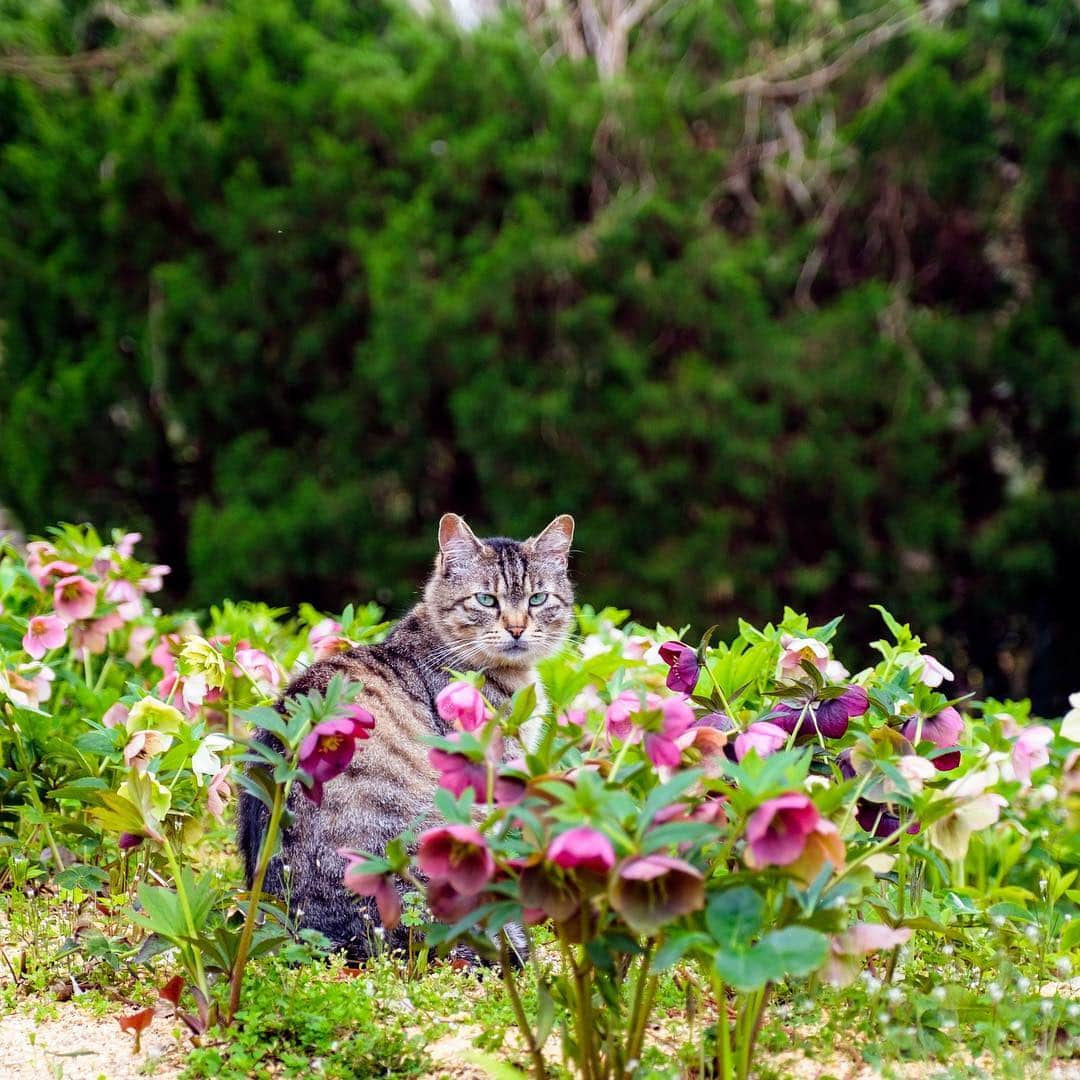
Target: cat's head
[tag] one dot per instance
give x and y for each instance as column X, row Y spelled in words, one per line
column 499, row 602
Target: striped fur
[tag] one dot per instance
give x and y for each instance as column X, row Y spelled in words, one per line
column 390, row 784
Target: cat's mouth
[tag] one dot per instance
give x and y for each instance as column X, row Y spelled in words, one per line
column 515, row 648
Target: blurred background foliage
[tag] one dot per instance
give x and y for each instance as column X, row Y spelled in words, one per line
column 777, row 298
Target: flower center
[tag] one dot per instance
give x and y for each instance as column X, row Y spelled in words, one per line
column 330, row 743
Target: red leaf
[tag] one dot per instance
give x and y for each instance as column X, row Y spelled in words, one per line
column 171, row 990
column 136, row 1022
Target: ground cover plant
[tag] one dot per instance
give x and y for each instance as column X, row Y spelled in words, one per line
column 694, row 853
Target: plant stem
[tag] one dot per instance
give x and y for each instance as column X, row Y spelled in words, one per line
column 185, row 907
column 32, row 791
column 265, row 852
column 639, row 997
column 535, row 1050
column 723, row 1034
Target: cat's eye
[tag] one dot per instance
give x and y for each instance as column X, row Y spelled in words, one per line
column 537, row 599
column 485, row 599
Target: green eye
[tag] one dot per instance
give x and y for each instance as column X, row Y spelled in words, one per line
column 485, row 599
column 537, row 599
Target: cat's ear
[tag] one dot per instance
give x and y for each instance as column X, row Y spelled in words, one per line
column 456, row 540
column 556, row 538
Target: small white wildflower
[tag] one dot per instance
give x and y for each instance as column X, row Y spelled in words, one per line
column 1023, row 984
column 947, row 950
column 883, row 1018
column 997, row 920
column 1073, row 1011
column 910, row 1032
column 994, row 992
column 1047, row 1007
column 938, row 993
column 1031, row 932
column 379, row 931
column 894, row 995
column 873, row 985
column 1063, row 965
column 1016, row 1025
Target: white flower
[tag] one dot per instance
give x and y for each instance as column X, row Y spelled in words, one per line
column 205, row 760
column 1070, row 726
column 926, row 669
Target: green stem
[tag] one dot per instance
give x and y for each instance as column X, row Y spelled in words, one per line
column 32, row 791
column 638, row 1000
column 583, row 1034
column 535, row 1050
column 723, row 1031
column 185, row 907
column 255, row 894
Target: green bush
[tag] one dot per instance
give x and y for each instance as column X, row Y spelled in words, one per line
column 298, row 276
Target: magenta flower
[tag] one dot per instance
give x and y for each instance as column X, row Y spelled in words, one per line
column 45, row 632
column 777, row 831
column 943, row 730
column 165, row 652
column 446, row 903
column 128, row 841
column 682, row 660
column 651, row 890
column 379, row 886
column 828, row 717
column 676, row 717
column 618, row 713
column 1030, row 752
column 74, row 597
column 763, row 737
column 329, row 747
column 457, row 854
column 582, row 848
column 458, row 772
column 462, row 704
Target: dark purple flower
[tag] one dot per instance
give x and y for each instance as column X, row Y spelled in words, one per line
column 943, row 730
column 879, row 820
column 329, row 747
column 682, row 660
column 547, row 890
column 651, row 890
column 128, row 841
column 828, row 718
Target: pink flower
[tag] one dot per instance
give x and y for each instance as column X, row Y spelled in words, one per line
column 127, row 598
column 322, row 630
column 823, row 845
column 651, row 890
column 682, row 660
column 329, row 647
column 777, row 831
column 45, row 632
column 379, row 886
column 848, row 949
column 943, row 730
column 446, row 903
column 458, row 772
column 676, row 716
column 457, row 854
column 462, row 704
column 115, row 715
column 39, row 552
column 125, row 546
column 138, row 639
column 57, row 569
column 143, row 745
column 329, row 747
column 74, row 597
column 165, row 653
column 573, row 718
column 927, row 670
column 93, row 636
column 618, row 713
column 153, row 580
column 582, row 848
column 1030, row 752
column 763, row 737
column 258, row 665
column 218, row 793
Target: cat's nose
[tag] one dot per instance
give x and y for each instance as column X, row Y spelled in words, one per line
column 515, row 631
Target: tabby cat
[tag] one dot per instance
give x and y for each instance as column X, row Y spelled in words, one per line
column 495, row 606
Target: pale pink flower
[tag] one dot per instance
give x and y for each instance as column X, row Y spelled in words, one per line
column 1030, row 752
column 28, row 687
column 74, row 597
column 125, row 546
column 138, row 640
column 1070, row 724
column 796, row 650
column 848, row 949
column 45, row 632
column 144, row 745
column 927, row 670
column 115, row 715
column 126, row 597
column 50, row 572
column 329, row 647
column 327, row 628
column 763, row 737
column 39, row 552
column 153, row 580
column 260, row 666
column 218, row 793
column 915, row 770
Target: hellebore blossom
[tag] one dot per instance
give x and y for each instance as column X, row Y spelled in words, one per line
column 205, row 760
column 763, row 737
column 115, row 715
column 458, row 772
column 380, row 887
column 144, row 745
column 1070, row 725
column 126, row 597
column 651, row 890
column 926, row 669
column 125, row 546
column 260, row 667
column 27, row 687
column 138, row 639
column 975, row 810
column 777, row 831
column 676, row 717
column 1030, row 752
column 682, row 660
column 446, row 903
column 618, row 713
column 880, row 820
column 218, row 793
column 848, row 949
column 457, row 854
column 48, row 573
column 330, row 746
column 202, row 658
column 462, row 704
column 828, row 717
column 943, row 730
column 582, row 848
column 45, row 632
column 74, row 597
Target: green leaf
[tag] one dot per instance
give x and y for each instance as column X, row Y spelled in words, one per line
column 90, row 879
column 734, row 916
column 792, row 952
column 677, row 945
